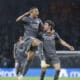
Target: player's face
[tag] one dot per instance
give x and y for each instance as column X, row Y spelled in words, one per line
column 46, row 26
column 35, row 12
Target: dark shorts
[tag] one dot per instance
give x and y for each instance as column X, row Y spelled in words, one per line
column 52, row 59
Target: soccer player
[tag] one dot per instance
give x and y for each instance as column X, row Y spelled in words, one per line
column 20, row 57
column 32, row 26
column 49, row 36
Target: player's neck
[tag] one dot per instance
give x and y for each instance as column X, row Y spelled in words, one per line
column 48, row 31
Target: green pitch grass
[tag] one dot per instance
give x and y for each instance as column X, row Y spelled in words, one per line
column 37, row 78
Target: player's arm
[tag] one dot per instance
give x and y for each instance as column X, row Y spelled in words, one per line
column 64, row 43
column 20, row 18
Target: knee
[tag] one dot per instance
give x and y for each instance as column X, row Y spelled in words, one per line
column 57, row 66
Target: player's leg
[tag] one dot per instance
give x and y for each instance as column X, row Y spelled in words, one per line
column 30, row 55
column 43, row 69
column 19, row 70
column 57, row 68
column 28, row 62
column 17, row 67
column 55, row 61
column 43, row 72
column 39, row 45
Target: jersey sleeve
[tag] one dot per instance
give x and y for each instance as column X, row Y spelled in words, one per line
column 57, row 37
column 26, row 19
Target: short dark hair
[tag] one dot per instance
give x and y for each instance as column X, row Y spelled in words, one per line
column 51, row 23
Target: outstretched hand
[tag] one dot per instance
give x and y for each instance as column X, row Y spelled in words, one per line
column 72, row 48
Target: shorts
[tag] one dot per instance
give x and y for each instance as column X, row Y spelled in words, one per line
column 52, row 60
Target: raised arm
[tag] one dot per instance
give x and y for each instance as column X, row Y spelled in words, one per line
column 20, row 18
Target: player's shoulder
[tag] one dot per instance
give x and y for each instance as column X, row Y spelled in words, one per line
column 55, row 33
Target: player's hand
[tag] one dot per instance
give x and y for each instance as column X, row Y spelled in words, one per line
column 71, row 48
column 43, row 64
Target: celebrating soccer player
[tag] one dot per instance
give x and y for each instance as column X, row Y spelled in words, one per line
column 49, row 36
column 32, row 26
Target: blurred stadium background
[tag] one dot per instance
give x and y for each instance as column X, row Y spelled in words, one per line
column 65, row 14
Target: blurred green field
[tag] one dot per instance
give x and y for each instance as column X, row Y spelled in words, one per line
column 37, row 78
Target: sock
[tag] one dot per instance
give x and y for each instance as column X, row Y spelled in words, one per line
column 57, row 75
column 40, row 50
column 42, row 75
